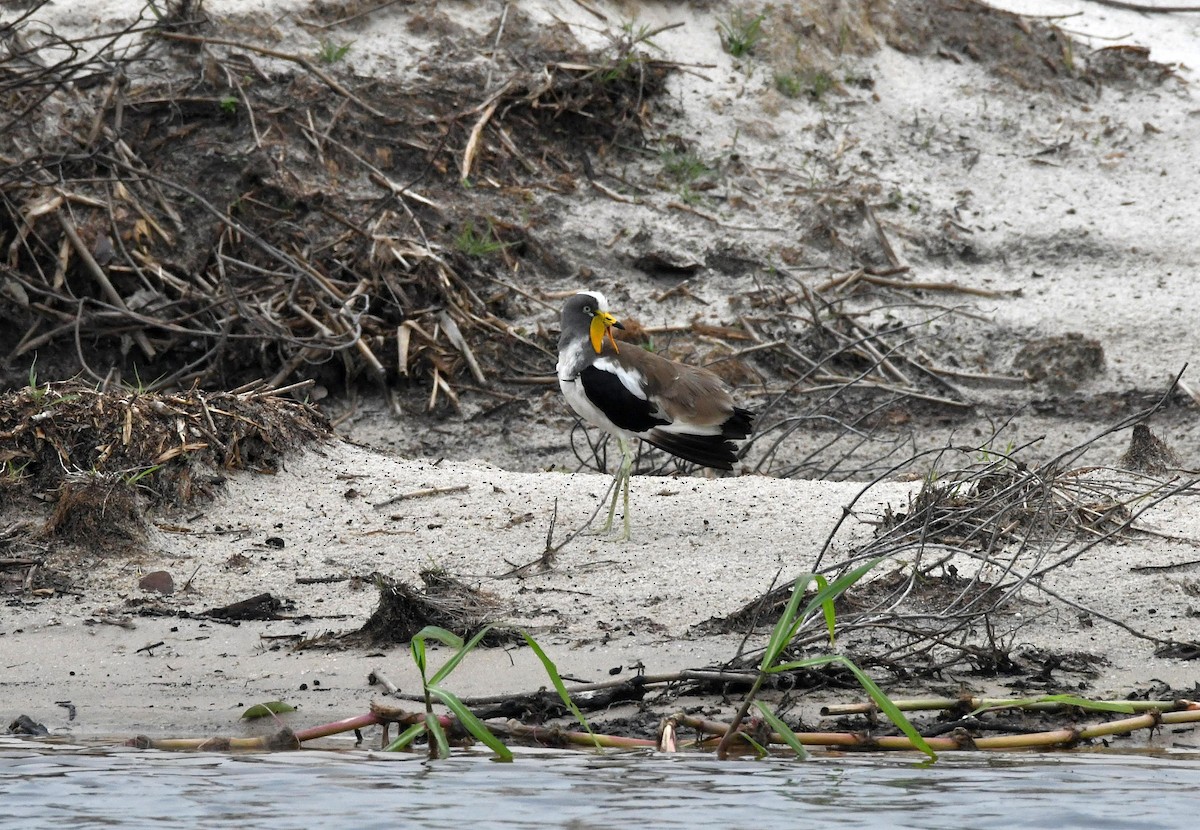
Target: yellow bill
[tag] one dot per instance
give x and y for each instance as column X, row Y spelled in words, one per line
column 603, row 323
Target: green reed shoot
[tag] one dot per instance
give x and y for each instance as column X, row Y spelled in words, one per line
column 439, row 745
column 792, row 621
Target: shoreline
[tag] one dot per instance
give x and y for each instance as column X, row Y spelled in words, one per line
column 603, row 611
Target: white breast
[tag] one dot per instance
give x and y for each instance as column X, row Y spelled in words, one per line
column 570, row 362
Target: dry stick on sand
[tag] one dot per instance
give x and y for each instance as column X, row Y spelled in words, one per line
column 843, row 281
column 877, row 228
column 101, row 278
column 422, row 494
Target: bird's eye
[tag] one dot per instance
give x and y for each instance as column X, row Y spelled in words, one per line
column 587, row 309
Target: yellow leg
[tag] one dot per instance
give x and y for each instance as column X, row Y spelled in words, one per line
column 612, row 505
column 625, row 535
column 626, row 472
column 620, row 485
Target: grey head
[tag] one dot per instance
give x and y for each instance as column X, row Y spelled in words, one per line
column 577, row 314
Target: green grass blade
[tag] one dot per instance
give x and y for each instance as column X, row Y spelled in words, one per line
column 417, row 647
column 1093, row 705
column 885, row 704
column 785, row 628
column 552, row 673
column 827, row 609
column 806, row 663
column 472, row 724
column 434, row 632
column 138, row 476
column 1018, row 703
column 405, row 738
column 789, row 623
column 838, row 587
column 876, row 694
column 783, row 729
column 759, row 750
column 463, row 650
column 438, row 734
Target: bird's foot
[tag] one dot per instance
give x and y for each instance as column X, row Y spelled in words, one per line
column 607, row 534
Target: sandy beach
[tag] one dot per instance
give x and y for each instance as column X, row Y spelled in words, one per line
column 1057, row 213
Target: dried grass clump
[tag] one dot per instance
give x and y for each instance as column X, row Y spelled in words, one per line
column 100, row 512
column 98, row 456
column 992, row 504
column 445, row 602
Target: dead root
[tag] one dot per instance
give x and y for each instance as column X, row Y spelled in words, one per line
column 403, row 611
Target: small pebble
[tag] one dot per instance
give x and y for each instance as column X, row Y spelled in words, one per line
column 159, row 581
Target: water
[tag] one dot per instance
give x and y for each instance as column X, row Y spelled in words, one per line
column 44, row 786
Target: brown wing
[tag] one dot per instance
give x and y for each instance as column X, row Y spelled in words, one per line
column 686, row 394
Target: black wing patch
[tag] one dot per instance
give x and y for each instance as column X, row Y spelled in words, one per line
column 705, row 450
column 622, row 407
column 739, row 425
column 716, row 451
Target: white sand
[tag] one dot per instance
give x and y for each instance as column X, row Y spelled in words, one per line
column 602, row 606
column 702, row 547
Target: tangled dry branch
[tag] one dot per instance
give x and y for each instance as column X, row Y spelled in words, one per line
column 978, row 541
column 228, row 219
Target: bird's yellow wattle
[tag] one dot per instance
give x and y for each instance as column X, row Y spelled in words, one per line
column 602, row 323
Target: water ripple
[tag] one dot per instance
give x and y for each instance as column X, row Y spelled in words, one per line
column 44, row 787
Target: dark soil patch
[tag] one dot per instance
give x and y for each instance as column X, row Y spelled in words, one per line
column 1031, row 54
column 1061, row 362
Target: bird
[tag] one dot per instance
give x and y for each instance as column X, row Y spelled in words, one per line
column 631, row 393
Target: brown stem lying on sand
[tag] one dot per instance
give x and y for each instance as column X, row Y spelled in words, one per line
column 959, row 739
column 553, row 736
column 993, row 703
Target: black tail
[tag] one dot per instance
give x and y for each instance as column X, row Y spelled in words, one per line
column 739, row 425
column 716, row 451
